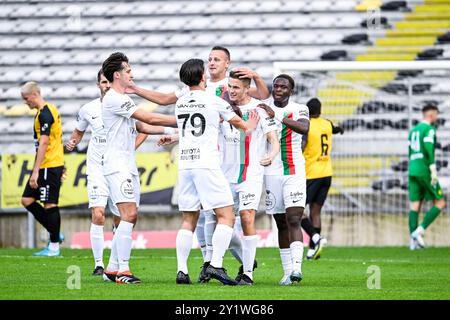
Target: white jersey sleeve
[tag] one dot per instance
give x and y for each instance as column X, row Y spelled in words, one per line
column 82, row 122
column 225, row 110
column 301, row 113
column 181, row 92
column 121, row 105
column 268, row 124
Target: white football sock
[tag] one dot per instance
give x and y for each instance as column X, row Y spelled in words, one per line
column 97, row 244
column 315, row 237
column 184, row 245
column 210, row 226
column 220, row 241
column 124, row 241
column 53, row 246
column 200, row 232
column 286, row 261
column 297, row 255
column 249, row 244
column 113, row 264
column 236, row 248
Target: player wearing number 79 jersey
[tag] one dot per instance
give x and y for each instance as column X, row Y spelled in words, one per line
column 202, row 183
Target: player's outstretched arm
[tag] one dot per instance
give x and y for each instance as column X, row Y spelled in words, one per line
column 300, row 126
column 75, row 139
column 156, row 119
column 247, row 126
column 160, row 98
column 168, row 140
column 261, row 91
column 272, row 138
column 152, row 130
column 140, row 138
column 267, row 109
column 337, row 129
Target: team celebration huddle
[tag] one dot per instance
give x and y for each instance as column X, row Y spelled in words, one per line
column 238, row 142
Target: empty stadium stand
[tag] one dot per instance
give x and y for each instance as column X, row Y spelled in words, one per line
column 61, row 44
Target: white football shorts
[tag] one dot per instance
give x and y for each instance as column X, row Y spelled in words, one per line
column 205, row 189
column 284, row 192
column 124, row 187
column 98, row 193
column 246, row 195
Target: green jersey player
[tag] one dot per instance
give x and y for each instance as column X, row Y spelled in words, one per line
column 423, row 183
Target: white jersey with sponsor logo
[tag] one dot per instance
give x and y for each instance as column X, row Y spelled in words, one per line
column 290, row 160
column 121, row 133
column 90, row 114
column 198, row 118
column 242, row 153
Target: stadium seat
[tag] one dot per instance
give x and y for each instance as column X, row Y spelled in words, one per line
column 350, row 21
column 24, row 11
column 8, row 27
column 55, row 42
column 130, row 41
column 259, row 54
column 27, row 26
column 206, row 39
column 334, row 55
column 17, row 110
column 281, row 37
column 228, row 39
column 62, row 75
column 121, row 9
column 154, row 40
column 254, row 38
column 80, row 42
column 270, row 6
column 430, row 54
column 11, row 92
column 22, row 125
column 180, row 39
column 9, row 42
column 179, row 23
column 150, row 24
column 65, row 92
column 85, row 74
column 85, row 57
column 105, row 41
column 69, row 126
column 97, row 10
column 330, row 38
column 310, row 53
column 147, row 8
column 88, row 92
column 70, row 108
column 196, row 7
column 50, row 11
column 355, row 38
column 394, row 6
column 59, row 57
column 156, row 56
column 13, row 75
column 10, row 58
column 34, row 58
column 295, row 6
column 55, row 26
column 38, row 75
column 6, row 11
column 30, row 43
column 164, row 73
column 274, row 22
column 306, row 38
column 171, row 8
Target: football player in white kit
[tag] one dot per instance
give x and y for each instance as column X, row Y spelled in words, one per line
column 119, row 115
column 285, row 178
column 90, row 114
column 201, row 181
column 244, row 158
column 219, row 61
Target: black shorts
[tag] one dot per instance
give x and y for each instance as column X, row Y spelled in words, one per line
column 49, row 184
column 317, row 190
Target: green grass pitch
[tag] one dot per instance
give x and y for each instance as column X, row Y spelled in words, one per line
column 341, row 273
